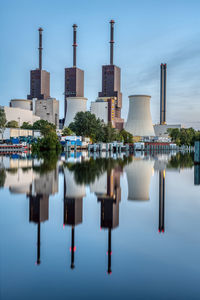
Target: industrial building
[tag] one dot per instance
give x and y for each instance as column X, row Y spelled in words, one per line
column 111, row 82
column 161, row 128
column 104, row 109
column 48, row 110
column 139, row 121
column 39, row 79
column 74, row 87
column 20, row 115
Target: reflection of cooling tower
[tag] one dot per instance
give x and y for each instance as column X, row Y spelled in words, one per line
column 139, row 121
column 74, row 105
column 73, row 190
column 139, row 174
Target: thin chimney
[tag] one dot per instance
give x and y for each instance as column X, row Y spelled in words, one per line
column 74, row 44
column 112, row 22
column 40, row 48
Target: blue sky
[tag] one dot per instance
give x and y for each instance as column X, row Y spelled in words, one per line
column 147, row 32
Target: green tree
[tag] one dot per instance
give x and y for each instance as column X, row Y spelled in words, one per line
column 86, row 124
column 12, row 124
column 43, row 125
column 126, row 136
column 26, row 125
column 67, row 131
column 110, row 133
column 2, row 121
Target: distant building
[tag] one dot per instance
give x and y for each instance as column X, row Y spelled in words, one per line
column 74, row 87
column 139, row 121
column 20, row 115
column 111, row 81
column 104, row 109
column 39, row 84
column 21, row 103
column 48, row 110
column 161, row 130
column 39, row 79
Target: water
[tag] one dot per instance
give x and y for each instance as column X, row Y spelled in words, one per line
column 80, row 228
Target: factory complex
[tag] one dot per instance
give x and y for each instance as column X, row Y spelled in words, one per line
column 39, row 104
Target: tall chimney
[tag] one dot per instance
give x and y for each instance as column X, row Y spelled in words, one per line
column 163, row 79
column 74, row 44
column 112, row 22
column 40, row 48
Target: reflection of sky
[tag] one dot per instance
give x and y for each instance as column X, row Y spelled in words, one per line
column 145, row 264
column 147, row 33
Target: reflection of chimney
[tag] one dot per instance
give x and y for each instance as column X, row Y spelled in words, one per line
column 161, row 201
column 110, row 208
column 73, row 209
column 38, row 212
column 109, row 251
column 38, row 244
column 72, row 247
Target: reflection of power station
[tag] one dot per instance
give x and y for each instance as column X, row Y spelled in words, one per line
column 196, row 174
column 139, row 174
column 110, row 208
column 38, row 212
column 73, row 207
column 161, row 227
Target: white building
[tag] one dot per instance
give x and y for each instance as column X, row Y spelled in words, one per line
column 100, row 110
column 48, row 110
column 20, row 115
column 161, row 130
column 21, row 103
column 74, row 105
column 139, row 121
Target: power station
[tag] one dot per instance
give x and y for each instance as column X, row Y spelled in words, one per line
column 74, row 87
column 111, row 81
column 39, row 79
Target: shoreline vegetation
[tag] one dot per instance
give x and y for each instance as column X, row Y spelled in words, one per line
column 87, row 125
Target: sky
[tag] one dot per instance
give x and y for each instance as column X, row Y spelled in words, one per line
column 147, row 33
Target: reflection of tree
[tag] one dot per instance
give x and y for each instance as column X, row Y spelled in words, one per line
column 12, row 170
column 49, row 162
column 2, row 177
column 181, row 160
column 87, row 171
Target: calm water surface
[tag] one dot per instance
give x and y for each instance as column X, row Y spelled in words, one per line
column 103, row 228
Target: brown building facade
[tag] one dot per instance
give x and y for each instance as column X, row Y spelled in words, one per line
column 39, row 84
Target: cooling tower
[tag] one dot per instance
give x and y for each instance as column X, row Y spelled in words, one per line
column 74, row 105
column 139, row 174
column 139, row 121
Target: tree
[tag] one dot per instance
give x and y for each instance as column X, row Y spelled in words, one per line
column 27, row 125
column 110, row 133
column 126, row 136
column 67, row 131
column 86, row 124
column 2, row 121
column 43, row 125
column 12, row 124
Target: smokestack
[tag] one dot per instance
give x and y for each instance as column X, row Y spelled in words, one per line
column 74, row 44
column 112, row 22
column 163, row 79
column 40, row 48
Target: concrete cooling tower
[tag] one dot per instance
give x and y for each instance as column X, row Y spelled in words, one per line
column 139, row 121
column 139, row 174
column 73, row 106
